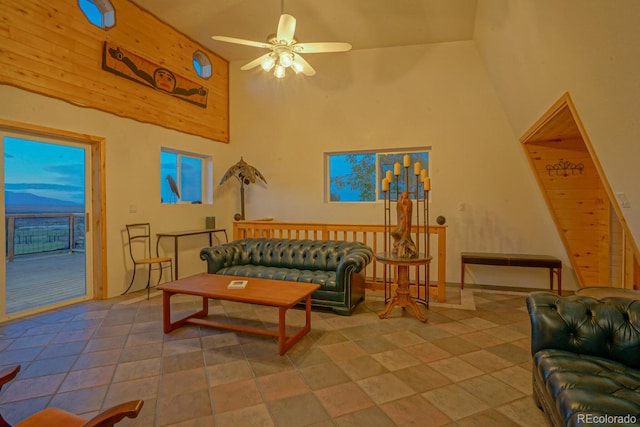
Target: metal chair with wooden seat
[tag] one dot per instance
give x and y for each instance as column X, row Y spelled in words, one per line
column 56, row 417
column 140, row 250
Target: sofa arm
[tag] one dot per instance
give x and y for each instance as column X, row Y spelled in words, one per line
column 355, row 261
column 608, row 328
column 221, row 256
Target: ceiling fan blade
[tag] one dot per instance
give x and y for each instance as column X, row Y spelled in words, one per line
column 242, row 41
column 321, row 47
column 255, row 62
column 307, row 69
column 286, row 28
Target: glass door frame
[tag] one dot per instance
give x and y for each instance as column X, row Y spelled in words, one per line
column 95, row 197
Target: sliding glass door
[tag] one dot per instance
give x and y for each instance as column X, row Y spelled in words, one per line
column 47, row 241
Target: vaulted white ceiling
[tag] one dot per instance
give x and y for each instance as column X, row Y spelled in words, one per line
column 366, row 24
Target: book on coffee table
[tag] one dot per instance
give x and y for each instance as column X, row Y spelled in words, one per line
column 237, row 284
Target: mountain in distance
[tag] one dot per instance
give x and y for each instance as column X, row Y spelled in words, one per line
column 16, row 202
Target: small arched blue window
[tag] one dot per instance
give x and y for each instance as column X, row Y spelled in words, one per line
column 201, row 64
column 99, row 12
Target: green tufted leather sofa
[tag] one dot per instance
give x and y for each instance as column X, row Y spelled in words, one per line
column 337, row 266
column 586, row 359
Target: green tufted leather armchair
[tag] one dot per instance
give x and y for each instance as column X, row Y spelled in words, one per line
column 337, row 266
column 586, row 359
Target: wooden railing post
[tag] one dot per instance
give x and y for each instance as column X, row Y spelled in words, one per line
column 11, row 230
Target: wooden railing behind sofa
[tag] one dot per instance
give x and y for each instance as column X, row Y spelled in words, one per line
column 369, row 234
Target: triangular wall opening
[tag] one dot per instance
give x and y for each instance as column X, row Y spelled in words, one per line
column 587, row 216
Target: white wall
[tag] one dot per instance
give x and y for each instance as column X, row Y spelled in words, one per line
column 535, row 50
column 132, row 177
column 437, row 96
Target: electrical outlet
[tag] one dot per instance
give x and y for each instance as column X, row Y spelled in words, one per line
column 133, row 208
column 624, row 202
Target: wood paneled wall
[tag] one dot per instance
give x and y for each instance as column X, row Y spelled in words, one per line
column 52, row 49
column 589, row 220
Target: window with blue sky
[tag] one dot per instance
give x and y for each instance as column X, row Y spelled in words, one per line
column 183, row 177
column 357, row 176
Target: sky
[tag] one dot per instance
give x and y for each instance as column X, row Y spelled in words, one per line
column 44, row 169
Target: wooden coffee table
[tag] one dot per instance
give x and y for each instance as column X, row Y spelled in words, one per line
column 276, row 293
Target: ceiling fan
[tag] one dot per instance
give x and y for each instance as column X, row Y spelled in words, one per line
column 285, row 51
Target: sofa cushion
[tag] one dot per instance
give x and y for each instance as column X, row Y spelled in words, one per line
column 583, row 387
column 297, row 254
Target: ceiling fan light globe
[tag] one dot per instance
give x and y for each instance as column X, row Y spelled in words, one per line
column 286, row 59
column 268, row 64
column 297, row 66
column 279, row 71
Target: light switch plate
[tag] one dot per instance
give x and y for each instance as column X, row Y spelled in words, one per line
column 624, row 202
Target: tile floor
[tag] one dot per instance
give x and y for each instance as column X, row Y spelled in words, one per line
column 468, row 366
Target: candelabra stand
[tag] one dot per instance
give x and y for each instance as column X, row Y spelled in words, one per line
column 420, row 256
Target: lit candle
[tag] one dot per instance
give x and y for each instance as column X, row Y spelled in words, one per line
column 416, row 168
column 389, row 176
column 396, row 169
column 427, row 183
column 385, row 185
column 407, row 161
column 423, row 174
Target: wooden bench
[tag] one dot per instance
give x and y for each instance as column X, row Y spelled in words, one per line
column 514, row 260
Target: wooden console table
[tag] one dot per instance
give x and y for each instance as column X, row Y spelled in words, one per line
column 403, row 296
column 176, row 235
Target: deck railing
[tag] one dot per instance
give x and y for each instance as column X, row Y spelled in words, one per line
column 27, row 234
column 369, row 234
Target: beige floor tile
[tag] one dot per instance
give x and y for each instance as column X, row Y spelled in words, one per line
column 281, row 385
column 137, row 369
column 370, row 417
column 415, row 411
column 270, row 365
column 394, row 360
column 171, row 409
column 490, row 390
column 517, row 377
column 343, row 398
column 301, row 410
column 455, row 369
column 455, row 345
column 343, row 351
column 524, row 412
column 490, row 417
column 362, row 367
column 455, row 401
column 229, row 372
column 184, row 381
column 182, row 362
column 232, row 396
column 251, row 416
column 86, row 378
column 482, row 339
column 485, row 361
column 427, row 352
column 384, row 388
column 323, row 375
column 422, row 378
column 403, row 338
